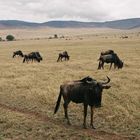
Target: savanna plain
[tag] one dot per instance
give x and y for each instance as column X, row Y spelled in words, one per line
column 28, row 91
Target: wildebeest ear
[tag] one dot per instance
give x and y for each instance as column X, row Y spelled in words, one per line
column 106, row 87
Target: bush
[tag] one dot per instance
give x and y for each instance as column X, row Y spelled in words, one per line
column 10, row 37
column 0, row 38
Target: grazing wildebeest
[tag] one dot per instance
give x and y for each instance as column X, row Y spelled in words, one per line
column 87, row 91
column 32, row 56
column 110, row 58
column 19, row 53
column 63, row 55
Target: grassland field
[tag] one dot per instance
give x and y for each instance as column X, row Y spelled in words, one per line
column 28, row 92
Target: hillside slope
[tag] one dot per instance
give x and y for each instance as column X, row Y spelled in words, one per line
column 117, row 24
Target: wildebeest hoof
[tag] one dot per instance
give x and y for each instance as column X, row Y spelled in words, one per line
column 93, row 127
column 84, row 126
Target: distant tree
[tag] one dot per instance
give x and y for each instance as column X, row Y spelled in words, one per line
column 10, row 37
column 55, row 36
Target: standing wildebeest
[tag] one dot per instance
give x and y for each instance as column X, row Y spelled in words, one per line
column 19, row 53
column 87, row 91
column 63, row 55
column 32, row 56
column 110, row 58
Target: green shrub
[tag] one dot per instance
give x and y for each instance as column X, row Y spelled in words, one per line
column 10, row 37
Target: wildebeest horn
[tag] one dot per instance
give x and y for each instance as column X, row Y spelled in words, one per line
column 107, row 81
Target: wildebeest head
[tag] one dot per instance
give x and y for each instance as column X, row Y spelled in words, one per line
column 120, row 64
column 38, row 55
column 95, row 91
column 68, row 57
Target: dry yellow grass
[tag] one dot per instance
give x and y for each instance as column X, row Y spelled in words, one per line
column 28, row 92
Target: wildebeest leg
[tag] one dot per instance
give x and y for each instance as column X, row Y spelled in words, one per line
column 14, row 55
column 99, row 66
column 58, row 58
column 27, row 60
column 114, row 66
column 110, row 66
column 66, row 111
column 66, row 58
column 85, row 115
column 32, row 59
column 61, row 58
column 91, row 122
column 24, row 60
column 102, row 65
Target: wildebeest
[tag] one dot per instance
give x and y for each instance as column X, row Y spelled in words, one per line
column 33, row 56
column 63, row 55
column 87, row 91
column 19, row 53
column 110, row 58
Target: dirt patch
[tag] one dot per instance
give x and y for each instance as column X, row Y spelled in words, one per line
column 102, row 135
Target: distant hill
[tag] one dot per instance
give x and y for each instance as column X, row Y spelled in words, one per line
column 123, row 24
column 16, row 24
column 117, row 24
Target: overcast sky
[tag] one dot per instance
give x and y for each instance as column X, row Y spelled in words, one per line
column 81, row 10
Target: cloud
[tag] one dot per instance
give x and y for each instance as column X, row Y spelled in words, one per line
column 89, row 10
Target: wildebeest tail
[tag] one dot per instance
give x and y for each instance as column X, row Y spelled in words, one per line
column 58, row 101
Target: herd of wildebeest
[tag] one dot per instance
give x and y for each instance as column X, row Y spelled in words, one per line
column 108, row 56
column 87, row 90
